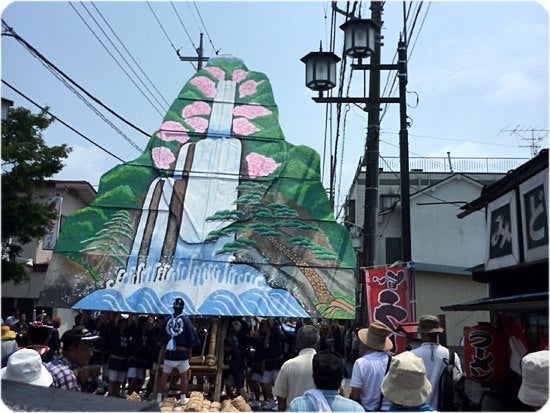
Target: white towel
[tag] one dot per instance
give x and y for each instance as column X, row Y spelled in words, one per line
column 318, row 399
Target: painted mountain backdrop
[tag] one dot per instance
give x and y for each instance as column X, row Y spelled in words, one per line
column 219, row 209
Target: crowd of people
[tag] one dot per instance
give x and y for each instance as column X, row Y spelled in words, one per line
column 275, row 364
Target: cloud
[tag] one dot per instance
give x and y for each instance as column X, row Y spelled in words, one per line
column 86, row 164
column 515, row 86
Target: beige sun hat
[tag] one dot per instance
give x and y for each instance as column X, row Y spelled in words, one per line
column 429, row 324
column 376, row 337
column 534, row 385
column 406, row 383
column 25, row 365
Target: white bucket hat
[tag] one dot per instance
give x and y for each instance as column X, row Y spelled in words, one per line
column 406, row 383
column 25, row 365
column 534, row 385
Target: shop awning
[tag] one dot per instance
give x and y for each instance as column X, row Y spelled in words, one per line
column 409, row 328
column 533, row 301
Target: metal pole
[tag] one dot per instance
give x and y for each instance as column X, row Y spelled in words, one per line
column 372, row 153
column 199, row 53
column 406, row 254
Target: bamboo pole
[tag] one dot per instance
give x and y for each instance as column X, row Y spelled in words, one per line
column 159, row 361
column 219, row 355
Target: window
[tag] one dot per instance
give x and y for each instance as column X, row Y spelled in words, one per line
column 387, row 201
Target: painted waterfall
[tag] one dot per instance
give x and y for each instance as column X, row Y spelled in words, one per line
column 219, row 209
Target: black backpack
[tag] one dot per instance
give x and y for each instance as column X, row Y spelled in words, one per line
column 446, row 387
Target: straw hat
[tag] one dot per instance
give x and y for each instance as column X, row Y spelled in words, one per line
column 429, row 324
column 534, row 385
column 7, row 333
column 376, row 337
column 406, row 383
column 25, row 365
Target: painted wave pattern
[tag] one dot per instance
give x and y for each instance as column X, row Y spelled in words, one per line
column 254, row 302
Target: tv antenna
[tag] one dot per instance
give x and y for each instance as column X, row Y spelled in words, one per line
column 531, row 135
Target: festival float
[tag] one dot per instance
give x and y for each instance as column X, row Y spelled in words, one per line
column 220, row 210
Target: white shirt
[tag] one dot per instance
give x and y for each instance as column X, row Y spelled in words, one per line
column 433, row 354
column 368, row 373
column 296, row 376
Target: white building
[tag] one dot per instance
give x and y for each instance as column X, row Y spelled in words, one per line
column 70, row 197
column 443, row 246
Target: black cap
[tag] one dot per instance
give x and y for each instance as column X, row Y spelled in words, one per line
column 178, row 303
column 76, row 334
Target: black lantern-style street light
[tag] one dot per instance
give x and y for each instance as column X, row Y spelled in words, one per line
column 362, row 40
column 320, row 70
column 359, row 37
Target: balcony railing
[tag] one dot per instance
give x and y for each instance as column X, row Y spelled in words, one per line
column 442, row 164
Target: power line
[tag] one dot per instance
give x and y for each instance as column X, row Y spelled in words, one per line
column 451, row 139
column 60, row 121
column 161, row 27
column 183, row 25
column 205, row 29
column 58, row 71
column 113, row 57
column 130, row 54
column 419, row 30
column 166, row 34
column 84, row 100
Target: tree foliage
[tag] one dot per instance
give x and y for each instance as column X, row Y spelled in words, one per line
column 262, row 218
column 26, row 162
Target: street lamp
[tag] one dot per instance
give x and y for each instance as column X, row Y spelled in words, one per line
column 320, row 70
column 362, row 40
column 359, row 37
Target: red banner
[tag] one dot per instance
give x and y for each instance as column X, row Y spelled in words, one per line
column 390, row 300
column 484, row 354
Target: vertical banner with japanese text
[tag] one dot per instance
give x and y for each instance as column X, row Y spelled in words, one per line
column 49, row 240
column 390, row 300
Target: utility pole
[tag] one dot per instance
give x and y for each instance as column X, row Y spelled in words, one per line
column 406, row 252
column 372, row 150
column 199, row 59
column 363, row 39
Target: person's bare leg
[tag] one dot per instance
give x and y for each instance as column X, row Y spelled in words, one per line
column 161, row 387
column 184, row 381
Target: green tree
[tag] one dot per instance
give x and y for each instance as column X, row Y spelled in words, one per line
column 26, row 162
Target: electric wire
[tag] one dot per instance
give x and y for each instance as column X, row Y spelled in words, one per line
column 188, row 36
column 183, row 25
column 160, row 112
column 454, row 140
column 62, row 122
column 417, row 13
column 409, row 52
column 193, row 16
column 419, row 30
column 334, row 153
column 205, row 29
column 328, row 113
column 161, row 26
column 336, row 163
column 60, row 75
column 131, row 56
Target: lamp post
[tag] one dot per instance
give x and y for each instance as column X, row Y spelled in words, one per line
column 362, row 39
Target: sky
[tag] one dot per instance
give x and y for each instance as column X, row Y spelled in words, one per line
column 476, row 71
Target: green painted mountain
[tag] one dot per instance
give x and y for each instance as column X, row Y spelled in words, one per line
column 218, row 192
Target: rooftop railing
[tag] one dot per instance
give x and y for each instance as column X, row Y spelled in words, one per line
column 444, row 164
